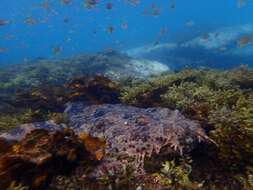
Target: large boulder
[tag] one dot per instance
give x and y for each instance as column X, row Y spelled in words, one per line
column 224, row 47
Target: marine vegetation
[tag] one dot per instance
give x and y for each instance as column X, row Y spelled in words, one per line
column 43, row 155
column 41, row 104
column 177, row 175
column 222, row 101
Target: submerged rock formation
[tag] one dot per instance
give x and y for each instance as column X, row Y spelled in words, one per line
column 111, row 64
column 219, row 48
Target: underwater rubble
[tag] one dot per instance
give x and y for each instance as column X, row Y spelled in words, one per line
column 190, row 129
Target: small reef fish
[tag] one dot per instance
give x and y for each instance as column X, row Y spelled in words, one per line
column 205, row 36
column 109, row 6
column 3, row 50
column 241, row 3
column 222, row 49
column 133, row 2
column 45, row 5
column 65, row 2
column 56, row 50
column 124, row 25
column 244, row 40
column 189, row 23
column 66, row 20
column 30, row 21
column 3, row 22
column 153, row 10
column 156, row 43
column 163, row 31
column 90, row 3
column 172, row 4
column 94, row 32
column 110, row 29
column 216, row 35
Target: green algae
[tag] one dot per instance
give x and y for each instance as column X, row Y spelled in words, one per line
column 16, row 186
column 223, row 103
column 176, row 176
column 11, row 120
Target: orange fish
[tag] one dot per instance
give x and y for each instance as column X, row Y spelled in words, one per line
column 244, row 40
column 90, row 3
column 93, row 145
column 30, row 21
column 3, row 22
column 110, row 29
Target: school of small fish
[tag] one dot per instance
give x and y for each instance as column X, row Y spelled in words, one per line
column 152, row 10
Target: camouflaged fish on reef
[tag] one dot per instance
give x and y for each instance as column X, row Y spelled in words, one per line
column 131, row 134
column 134, row 133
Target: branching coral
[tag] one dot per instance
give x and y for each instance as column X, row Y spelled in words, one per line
column 221, row 100
column 176, row 176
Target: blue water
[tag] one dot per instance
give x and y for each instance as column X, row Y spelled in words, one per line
column 85, row 30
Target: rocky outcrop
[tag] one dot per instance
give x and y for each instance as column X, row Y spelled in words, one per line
column 214, row 49
column 112, row 64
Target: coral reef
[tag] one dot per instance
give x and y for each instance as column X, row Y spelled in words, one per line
column 111, row 64
column 141, row 145
column 40, row 103
column 221, row 101
column 124, row 139
column 43, row 154
column 95, row 90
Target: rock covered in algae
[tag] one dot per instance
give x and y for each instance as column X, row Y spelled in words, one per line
column 134, row 134
column 95, row 90
column 112, row 64
column 44, row 153
column 19, row 133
